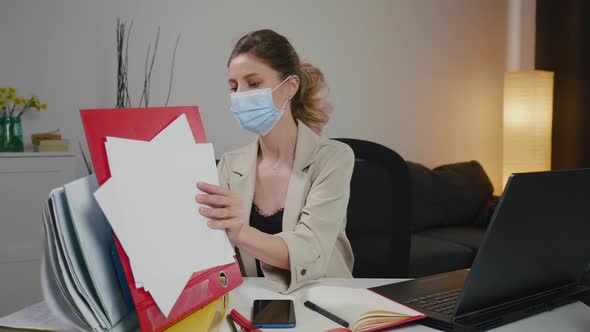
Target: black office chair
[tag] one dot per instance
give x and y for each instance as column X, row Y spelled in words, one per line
column 379, row 211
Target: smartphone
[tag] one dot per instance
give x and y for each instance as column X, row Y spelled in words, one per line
column 273, row 314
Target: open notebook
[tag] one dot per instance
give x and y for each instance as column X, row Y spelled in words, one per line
column 363, row 309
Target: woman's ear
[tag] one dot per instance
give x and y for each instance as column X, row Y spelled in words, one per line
column 293, row 84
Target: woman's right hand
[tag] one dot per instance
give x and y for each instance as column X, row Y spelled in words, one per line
column 226, row 210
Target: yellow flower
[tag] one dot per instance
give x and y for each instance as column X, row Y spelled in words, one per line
column 10, row 100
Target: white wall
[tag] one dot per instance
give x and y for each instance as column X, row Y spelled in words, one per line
column 423, row 77
column 521, row 35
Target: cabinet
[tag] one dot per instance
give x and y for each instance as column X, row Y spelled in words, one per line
column 26, row 179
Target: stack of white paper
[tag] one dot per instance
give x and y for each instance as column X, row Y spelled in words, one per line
column 149, row 202
column 78, row 279
column 35, row 317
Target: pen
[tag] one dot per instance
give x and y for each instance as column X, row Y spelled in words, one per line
column 244, row 323
column 325, row 313
column 231, row 323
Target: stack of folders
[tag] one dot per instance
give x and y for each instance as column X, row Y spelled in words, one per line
column 148, row 204
column 81, row 282
column 78, row 278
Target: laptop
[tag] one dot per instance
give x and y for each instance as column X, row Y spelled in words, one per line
column 531, row 259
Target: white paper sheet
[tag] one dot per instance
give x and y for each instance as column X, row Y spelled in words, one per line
column 52, row 264
column 178, row 132
column 176, row 137
column 162, row 273
column 60, row 306
column 95, row 237
column 113, row 209
column 64, row 273
column 73, row 258
column 37, row 317
column 149, row 202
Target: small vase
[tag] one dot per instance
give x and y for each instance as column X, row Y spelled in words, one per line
column 11, row 134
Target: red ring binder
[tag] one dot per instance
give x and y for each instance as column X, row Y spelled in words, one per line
column 143, row 124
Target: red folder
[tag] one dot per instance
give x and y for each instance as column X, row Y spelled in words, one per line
column 143, row 124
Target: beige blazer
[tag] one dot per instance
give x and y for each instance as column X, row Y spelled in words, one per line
column 314, row 218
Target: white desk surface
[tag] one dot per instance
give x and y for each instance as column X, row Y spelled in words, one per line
column 574, row 317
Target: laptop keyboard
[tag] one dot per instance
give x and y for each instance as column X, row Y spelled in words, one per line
column 443, row 302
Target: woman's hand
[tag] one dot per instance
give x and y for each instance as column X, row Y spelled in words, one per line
column 226, row 210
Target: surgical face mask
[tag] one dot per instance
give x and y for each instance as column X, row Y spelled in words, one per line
column 255, row 110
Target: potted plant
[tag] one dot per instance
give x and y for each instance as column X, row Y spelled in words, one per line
column 12, row 107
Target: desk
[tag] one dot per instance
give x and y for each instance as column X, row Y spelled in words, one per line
column 574, row 317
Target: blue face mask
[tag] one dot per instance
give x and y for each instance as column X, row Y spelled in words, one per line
column 255, row 110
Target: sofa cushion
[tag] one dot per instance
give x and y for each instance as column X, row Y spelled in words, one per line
column 448, row 195
column 485, row 215
column 430, row 256
column 467, row 235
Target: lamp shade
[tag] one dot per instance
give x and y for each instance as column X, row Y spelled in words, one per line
column 528, row 118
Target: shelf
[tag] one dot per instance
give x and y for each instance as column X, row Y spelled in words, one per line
column 31, row 154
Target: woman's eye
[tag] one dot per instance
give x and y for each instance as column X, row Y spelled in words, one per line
column 232, row 89
column 253, row 85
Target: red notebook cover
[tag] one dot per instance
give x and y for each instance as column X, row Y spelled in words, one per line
column 144, row 124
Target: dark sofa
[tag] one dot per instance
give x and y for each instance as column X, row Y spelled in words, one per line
column 451, row 206
column 405, row 220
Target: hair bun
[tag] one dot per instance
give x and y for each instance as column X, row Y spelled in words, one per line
column 309, row 104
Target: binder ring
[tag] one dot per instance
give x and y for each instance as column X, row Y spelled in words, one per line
column 223, row 280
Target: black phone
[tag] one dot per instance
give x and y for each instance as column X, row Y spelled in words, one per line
column 277, row 314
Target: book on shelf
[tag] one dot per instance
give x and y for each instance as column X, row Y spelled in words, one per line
column 61, row 145
column 37, row 138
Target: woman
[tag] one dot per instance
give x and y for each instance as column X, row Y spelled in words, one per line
column 282, row 199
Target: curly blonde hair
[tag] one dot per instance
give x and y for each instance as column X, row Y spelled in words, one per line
column 309, row 104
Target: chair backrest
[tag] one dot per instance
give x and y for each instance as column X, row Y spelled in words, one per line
column 379, row 211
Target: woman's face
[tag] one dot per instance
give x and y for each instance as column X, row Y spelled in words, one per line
column 246, row 72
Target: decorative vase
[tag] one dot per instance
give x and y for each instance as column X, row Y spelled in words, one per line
column 11, row 134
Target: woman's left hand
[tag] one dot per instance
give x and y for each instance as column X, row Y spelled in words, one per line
column 226, row 210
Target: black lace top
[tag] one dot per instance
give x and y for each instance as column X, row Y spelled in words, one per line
column 271, row 224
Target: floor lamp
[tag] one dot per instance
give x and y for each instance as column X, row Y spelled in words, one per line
column 528, row 117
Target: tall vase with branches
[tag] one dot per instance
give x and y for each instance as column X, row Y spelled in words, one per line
column 123, row 98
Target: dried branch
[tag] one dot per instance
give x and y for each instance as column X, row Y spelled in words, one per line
column 123, row 36
column 120, row 27
column 123, row 99
column 145, row 75
column 172, row 70
column 126, row 63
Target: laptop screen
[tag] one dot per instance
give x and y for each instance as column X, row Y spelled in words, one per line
column 538, row 239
